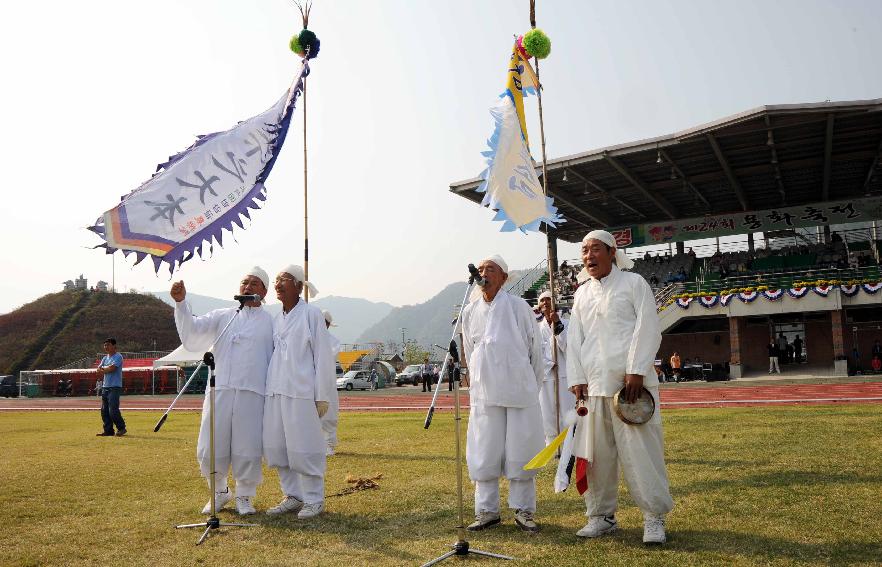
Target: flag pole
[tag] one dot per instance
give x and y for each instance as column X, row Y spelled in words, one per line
column 548, row 236
column 305, row 8
column 305, row 202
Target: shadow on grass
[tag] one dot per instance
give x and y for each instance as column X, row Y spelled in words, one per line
column 393, row 456
column 780, row 479
column 757, row 546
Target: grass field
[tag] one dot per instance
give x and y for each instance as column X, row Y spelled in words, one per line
column 787, row 485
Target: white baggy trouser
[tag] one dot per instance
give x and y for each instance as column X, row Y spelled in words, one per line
column 294, row 443
column 330, row 420
column 639, row 448
column 499, row 442
column 238, row 439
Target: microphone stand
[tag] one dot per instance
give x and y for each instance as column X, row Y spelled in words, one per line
column 213, row 522
column 451, row 365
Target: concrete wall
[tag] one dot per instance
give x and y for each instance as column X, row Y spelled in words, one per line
column 690, row 345
column 819, row 342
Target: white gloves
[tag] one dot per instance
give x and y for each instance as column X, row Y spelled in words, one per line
column 321, row 408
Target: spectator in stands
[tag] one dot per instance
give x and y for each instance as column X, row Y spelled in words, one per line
column 676, row 365
column 797, row 349
column 647, row 257
column 692, row 253
column 653, row 279
column 111, row 370
column 681, row 274
column 876, row 363
column 670, row 277
column 242, row 355
column 773, row 357
column 877, row 348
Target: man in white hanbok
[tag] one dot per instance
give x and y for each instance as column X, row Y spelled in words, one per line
column 554, row 413
column 298, row 394
column 241, row 357
column 330, row 419
column 503, row 347
column 612, row 342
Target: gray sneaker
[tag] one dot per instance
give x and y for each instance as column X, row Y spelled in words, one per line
column 598, row 526
column 524, row 519
column 654, row 529
column 289, row 505
column 483, row 520
column 311, row 510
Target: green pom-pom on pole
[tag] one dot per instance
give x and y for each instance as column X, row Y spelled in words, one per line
column 537, row 44
column 295, row 45
column 306, row 37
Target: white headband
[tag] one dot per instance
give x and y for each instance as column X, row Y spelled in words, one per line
column 622, row 260
column 260, row 274
column 497, row 259
column 545, row 294
column 297, row 273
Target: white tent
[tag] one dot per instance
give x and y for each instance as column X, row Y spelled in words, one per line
column 179, row 357
column 176, row 359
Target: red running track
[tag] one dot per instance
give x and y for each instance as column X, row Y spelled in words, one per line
column 672, row 396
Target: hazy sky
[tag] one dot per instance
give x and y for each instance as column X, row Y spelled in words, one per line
column 96, row 93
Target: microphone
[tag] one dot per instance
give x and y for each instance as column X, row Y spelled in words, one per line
column 247, row 298
column 476, row 276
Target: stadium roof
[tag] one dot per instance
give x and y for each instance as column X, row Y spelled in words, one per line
column 767, row 157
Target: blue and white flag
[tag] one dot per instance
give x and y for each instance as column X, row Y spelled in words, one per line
column 511, row 185
column 199, row 192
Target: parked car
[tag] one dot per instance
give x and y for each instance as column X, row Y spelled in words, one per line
column 355, row 380
column 8, row 387
column 412, row 374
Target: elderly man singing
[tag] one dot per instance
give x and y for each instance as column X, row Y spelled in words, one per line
column 553, row 330
column 298, row 392
column 612, row 342
column 503, row 348
column 242, row 356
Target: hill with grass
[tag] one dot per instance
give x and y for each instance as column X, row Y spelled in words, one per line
column 61, row 327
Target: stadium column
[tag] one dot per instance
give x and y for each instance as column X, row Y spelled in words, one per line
column 840, row 362
column 736, row 325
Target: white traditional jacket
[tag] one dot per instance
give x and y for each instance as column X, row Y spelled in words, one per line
column 503, row 347
column 547, row 332
column 242, row 355
column 614, row 330
column 302, row 360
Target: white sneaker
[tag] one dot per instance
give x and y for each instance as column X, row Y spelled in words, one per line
column 311, row 510
column 244, row 506
column 598, row 526
column 653, row 529
column 289, row 504
column 221, row 499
